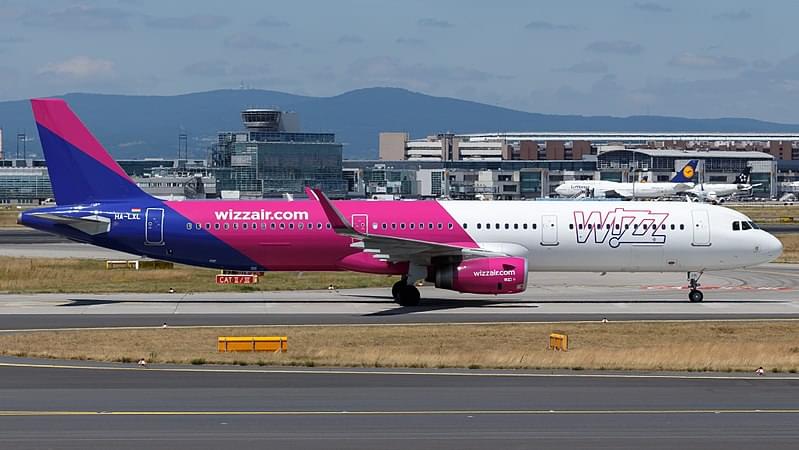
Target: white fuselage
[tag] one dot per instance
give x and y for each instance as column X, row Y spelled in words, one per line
column 716, row 190
column 603, row 188
column 617, row 236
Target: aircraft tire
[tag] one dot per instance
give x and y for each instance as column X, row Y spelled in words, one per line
column 408, row 296
column 395, row 289
column 695, row 296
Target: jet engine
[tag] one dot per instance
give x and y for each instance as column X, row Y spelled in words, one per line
column 494, row 275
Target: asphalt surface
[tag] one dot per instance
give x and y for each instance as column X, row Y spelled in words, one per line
column 136, row 408
column 765, row 292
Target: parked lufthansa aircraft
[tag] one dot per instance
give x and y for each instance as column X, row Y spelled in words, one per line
column 465, row 246
column 681, row 182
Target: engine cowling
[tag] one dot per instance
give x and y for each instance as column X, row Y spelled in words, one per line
column 496, row 275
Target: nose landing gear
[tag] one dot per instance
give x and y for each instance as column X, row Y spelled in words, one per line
column 695, row 296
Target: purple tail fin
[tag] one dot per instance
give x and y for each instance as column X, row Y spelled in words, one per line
column 81, row 170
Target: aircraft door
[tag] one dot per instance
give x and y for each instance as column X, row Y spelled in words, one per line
column 154, row 226
column 549, row 230
column 701, row 228
column 360, row 222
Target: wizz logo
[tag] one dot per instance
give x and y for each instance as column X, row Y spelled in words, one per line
column 621, row 226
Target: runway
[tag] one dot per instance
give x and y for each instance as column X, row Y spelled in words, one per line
column 765, row 292
column 252, row 408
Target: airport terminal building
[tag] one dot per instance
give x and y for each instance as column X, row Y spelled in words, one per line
column 272, row 157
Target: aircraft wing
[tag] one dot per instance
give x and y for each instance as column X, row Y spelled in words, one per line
column 91, row 224
column 391, row 248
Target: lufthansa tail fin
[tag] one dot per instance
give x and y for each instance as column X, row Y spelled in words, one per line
column 81, row 170
column 687, row 173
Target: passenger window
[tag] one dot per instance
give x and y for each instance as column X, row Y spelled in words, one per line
column 590, row 226
column 736, row 226
column 263, row 225
column 450, row 226
column 535, row 225
column 497, row 226
column 580, row 226
column 635, row 226
column 440, row 226
column 235, row 226
column 479, row 225
column 672, row 226
column 282, row 226
column 663, row 227
column 384, row 225
column 618, row 226
column 607, row 226
column 571, row 226
column 745, row 226
column 319, row 225
column 299, row 226
column 626, row 226
column 507, row 226
column 207, row 226
column 227, row 226
column 254, row 226
column 310, row 225
column 465, row 226
column 188, row 226
column 272, row 226
column 430, row 225
column 682, row 226
column 198, row 226
column 410, row 225
column 524, row 225
column 645, row 227
column 216, row 226
column 402, row 226
column 328, row 226
column 421, row 226
column 393, row 226
column 291, row 226
column 515, row 226
column 244, row 226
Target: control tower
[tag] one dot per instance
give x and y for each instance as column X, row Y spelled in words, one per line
column 270, row 120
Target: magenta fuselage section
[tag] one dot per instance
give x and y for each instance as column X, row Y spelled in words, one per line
column 296, row 235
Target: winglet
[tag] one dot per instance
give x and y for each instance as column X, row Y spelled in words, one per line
column 334, row 216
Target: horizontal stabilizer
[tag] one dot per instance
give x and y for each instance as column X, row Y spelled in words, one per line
column 92, row 224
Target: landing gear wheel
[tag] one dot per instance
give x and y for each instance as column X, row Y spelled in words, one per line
column 695, row 296
column 408, row 296
column 395, row 289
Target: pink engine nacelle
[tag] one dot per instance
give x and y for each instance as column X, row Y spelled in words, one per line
column 498, row 275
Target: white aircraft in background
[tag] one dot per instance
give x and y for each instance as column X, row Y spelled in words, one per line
column 717, row 192
column 603, row 188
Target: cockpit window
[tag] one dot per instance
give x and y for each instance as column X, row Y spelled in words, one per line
column 746, row 226
column 736, row 226
column 754, row 225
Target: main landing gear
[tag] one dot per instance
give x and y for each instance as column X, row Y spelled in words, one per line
column 695, row 296
column 405, row 294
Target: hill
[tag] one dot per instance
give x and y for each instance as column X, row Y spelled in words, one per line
column 148, row 126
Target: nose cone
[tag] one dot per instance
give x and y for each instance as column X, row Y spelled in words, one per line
column 562, row 190
column 770, row 247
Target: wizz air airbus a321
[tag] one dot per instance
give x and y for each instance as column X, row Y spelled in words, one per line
column 466, row 246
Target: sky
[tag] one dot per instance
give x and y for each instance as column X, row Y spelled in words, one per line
column 711, row 58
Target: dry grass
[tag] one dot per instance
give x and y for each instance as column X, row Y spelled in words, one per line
column 658, row 346
column 767, row 213
column 8, row 218
column 790, row 243
column 41, row 275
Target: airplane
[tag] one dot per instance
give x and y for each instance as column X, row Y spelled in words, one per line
column 716, row 192
column 679, row 183
column 479, row 247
